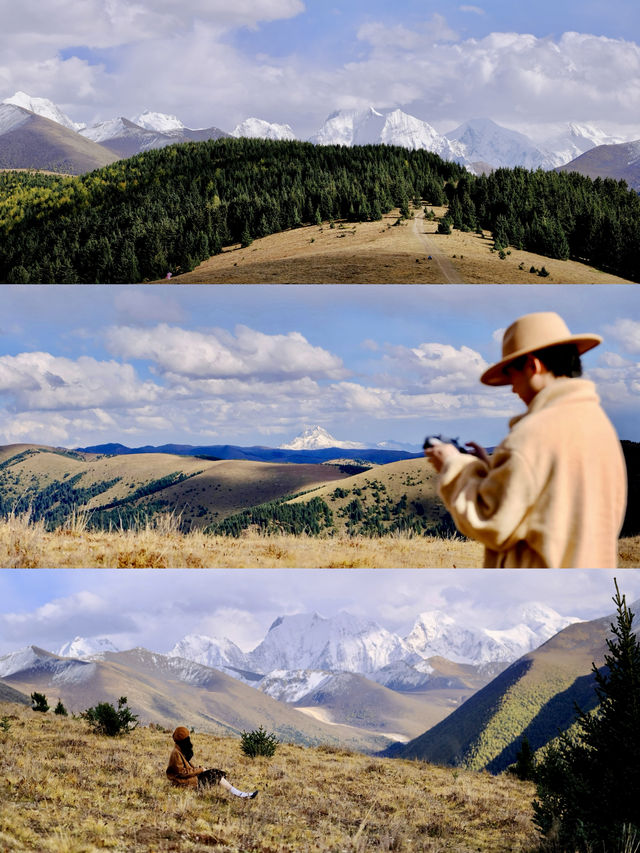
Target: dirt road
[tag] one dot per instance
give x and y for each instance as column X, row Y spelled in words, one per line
column 450, row 274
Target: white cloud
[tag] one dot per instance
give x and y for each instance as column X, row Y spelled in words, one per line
column 627, row 332
column 41, row 381
column 218, row 353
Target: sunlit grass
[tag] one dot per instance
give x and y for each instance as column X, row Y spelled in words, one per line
column 64, row 789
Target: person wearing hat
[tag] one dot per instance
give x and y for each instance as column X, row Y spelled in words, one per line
column 553, row 493
column 183, row 774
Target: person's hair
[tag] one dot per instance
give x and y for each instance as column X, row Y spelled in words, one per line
column 186, row 748
column 559, row 359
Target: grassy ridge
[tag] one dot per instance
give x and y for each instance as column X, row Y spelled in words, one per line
column 64, row 789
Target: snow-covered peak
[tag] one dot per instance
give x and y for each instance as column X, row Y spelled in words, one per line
column 83, row 647
column 316, row 438
column 42, row 107
column 488, row 142
column 575, row 139
column 209, row 651
column 344, row 643
column 437, row 633
column 257, row 128
column 373, row 127
column 157, row 121
column 109, row 129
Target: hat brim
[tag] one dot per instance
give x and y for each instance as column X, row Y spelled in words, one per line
column 495, row 375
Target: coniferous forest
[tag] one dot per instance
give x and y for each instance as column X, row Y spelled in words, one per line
column 172, row 208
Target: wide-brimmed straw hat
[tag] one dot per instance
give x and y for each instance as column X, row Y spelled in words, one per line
column 534, row 332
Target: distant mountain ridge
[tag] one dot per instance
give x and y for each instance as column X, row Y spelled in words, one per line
column 260, row 453
column 478, row 144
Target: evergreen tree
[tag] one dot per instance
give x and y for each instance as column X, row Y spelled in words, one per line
column 60, row 709
column 589, row 785
column 39, row 702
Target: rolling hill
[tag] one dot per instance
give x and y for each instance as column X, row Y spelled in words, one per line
column 620, row 162
column 533, row 697
column 30, row 141
column 163, row 690
column 52, row 482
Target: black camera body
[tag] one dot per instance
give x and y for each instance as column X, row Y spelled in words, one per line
column 435, row 440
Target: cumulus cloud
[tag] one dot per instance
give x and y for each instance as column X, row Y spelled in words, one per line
column 219, row 353
column 183, row 58
column 627, row 333
column 41, row 381
column 88, row 612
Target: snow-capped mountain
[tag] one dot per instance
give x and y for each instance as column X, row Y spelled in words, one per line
column 485, row 141
column 157, row 121
column 344, row 643
column 371, row 127
column 315, row 438
column 575, row 139
column 257, row 128
column 436, row 633
column 292, row 685
column 215, row 652
column 478, row 144
column 42, row 107
column 35, row 660
column 81, row 647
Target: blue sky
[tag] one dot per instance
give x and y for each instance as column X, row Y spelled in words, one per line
column 155, row 609
column 243, row 364
column 211, row 62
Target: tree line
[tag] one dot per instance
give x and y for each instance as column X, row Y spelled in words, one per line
column 170, row 209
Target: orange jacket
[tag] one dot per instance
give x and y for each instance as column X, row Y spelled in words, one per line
column 181, row 772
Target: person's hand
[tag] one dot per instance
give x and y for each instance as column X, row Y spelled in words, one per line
column 439, row 454
column 478, row 450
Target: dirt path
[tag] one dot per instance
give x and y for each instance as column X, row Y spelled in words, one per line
column 450, row 274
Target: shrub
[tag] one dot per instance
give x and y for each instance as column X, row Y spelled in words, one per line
column 258, row 742
column 39, row 702
column 106, row 720
column 5, row 725
column 60, row 709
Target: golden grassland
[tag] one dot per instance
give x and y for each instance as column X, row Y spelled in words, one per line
column 25, row 544
column 382, row 252
column 64, row 789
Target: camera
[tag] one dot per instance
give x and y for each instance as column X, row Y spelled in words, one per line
column 434, row 440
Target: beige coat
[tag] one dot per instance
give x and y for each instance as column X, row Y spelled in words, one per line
column 554, row 493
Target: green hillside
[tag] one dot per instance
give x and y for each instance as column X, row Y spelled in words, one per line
column 172, row 208
column 169, row 209
column 535, row 696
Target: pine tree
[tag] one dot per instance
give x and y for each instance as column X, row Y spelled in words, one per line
column 589, row 785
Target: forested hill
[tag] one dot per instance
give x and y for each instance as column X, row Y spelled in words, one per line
column 170, row 209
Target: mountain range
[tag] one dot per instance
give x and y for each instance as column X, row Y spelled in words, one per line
column 479, row 144
column 328, row 687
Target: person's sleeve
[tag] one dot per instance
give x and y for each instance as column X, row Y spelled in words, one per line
column 178, row 770
column 489, row 503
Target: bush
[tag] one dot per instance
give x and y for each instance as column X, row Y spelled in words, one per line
column 258, row 742
column 5, row 725
column 104, row 719
column 39, row 702
column 60, row 709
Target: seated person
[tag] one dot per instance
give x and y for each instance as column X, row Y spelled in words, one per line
column 183, row 774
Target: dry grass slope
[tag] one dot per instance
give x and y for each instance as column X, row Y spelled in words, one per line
column 160, row 545
column 383, row 253
column 65, row 790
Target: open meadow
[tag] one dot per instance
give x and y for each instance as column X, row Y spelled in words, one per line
column 64, row 789
column 25, row 544
column 382, row 252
